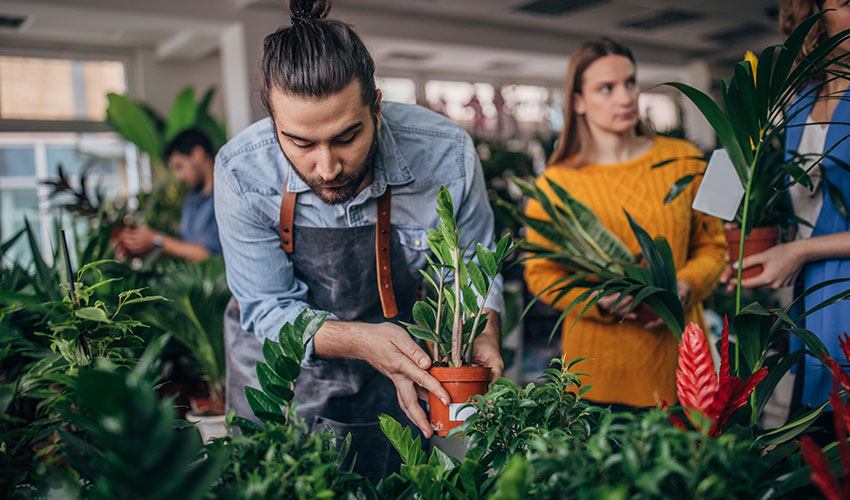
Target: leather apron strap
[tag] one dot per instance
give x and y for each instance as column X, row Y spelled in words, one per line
column 382, row 243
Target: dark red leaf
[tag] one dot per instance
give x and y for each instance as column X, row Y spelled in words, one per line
column 822, row 474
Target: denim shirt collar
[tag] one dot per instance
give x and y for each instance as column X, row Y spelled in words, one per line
column 390, row 167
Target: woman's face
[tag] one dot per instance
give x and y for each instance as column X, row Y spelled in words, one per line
column 609, row 95
column 838, row 20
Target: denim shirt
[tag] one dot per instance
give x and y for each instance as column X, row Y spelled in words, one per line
column 197, row 222
column 418, row 151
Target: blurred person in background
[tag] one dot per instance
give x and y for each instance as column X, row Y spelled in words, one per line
column 191, row 156
column 819, row 249
column 604, row 158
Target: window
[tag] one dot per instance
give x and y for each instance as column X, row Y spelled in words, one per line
column 41, row 88
column 64, row 100
column 397, row 89
column 27, row 160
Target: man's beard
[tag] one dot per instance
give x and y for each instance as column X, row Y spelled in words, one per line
column 350, row 181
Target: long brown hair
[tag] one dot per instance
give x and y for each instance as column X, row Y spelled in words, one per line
column 574, row 141
column 792, row 13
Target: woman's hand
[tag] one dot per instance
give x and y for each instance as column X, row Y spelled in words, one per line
column 606, row 303
column 779, row 263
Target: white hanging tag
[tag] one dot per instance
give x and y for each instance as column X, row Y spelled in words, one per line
column 721, row 190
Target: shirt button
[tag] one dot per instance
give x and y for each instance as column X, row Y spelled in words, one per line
column 417, row 242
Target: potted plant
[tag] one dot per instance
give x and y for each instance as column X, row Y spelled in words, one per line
column 758, row 103
column 199, row 295
column 454, row 319
column 599, row 261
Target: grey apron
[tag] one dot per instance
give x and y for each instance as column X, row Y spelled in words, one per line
column 338, row 267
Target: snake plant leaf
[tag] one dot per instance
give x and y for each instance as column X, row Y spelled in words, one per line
column 609, row 246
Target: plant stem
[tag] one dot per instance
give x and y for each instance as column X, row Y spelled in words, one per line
column 437, row 328
column 457, row 325
column 471, row 343
column 741, row 256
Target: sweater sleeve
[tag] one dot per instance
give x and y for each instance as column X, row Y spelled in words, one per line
column 540, row 273
column 705, row 263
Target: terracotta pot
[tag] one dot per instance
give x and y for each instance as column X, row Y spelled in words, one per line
column 759, row 240
column 461, row 383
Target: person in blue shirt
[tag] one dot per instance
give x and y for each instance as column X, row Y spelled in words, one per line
column 326, row 204
column 191, row 156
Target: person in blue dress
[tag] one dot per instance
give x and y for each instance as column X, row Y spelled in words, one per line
column 820, row 249
column 191, row 156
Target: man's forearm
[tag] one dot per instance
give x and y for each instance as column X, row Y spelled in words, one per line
column 340, row 340
column 184, row 249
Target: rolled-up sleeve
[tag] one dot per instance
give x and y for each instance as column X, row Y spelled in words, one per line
column 259, row 273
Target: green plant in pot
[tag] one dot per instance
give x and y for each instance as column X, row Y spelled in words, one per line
column 601, row 263
column 758, row 101
column 454, row 319
column 199, row 294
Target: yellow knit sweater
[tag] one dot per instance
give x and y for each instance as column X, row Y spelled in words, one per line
column 629, row 364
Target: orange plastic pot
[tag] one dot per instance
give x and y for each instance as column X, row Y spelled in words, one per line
column 759, row 240
column 461, row 383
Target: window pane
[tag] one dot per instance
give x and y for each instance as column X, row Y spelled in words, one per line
column 36, row 88
column 101, row 78
column 15, row 204
column 104, row 174
column 17, row 162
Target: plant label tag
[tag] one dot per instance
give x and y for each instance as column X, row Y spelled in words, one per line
column 456, row 414
column 721, row 190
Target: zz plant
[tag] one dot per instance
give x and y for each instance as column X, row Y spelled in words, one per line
column 456, row 317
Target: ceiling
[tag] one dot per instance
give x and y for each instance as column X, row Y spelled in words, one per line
column 521, row 40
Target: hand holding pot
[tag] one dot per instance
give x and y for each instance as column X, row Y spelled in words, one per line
column 779, row 263
column 391, row 351
column 486, row 351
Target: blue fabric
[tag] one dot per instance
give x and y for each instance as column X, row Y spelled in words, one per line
column 832, row 321
column 418, row 151
column 197, row 222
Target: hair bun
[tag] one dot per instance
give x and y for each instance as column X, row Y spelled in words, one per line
column 301, row 10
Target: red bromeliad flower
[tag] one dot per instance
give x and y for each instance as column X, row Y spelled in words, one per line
column 699, row 389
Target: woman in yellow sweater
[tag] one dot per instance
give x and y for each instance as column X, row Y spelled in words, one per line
column 604, row 158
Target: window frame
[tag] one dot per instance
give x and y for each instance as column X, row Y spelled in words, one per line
column 49, row 51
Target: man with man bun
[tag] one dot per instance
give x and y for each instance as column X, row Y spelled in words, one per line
column 326, row 204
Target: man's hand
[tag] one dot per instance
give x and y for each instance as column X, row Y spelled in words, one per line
column 391, row 351
column 487, row 351
column 138, row 240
